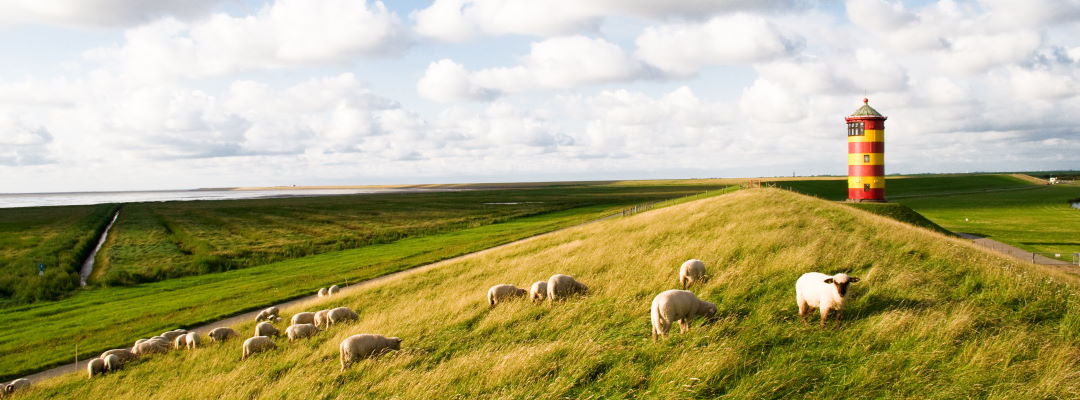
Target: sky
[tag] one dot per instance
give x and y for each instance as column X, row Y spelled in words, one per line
column 99, row 95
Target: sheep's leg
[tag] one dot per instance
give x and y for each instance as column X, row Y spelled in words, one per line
column 803, row 310
column 683, row 325
column 824, row 315
column 838, row 312
column 682, row 283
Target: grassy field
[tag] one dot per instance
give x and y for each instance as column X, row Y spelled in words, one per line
column 59, row 237
column 932, row 318
column 111, row 316
column 1005, row 208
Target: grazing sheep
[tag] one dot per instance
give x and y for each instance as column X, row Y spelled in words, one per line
column 95, row 367
column 333, row 290
column 124, row 354
column 677, row 305
column 817, row 290
column 323, row 292
column 161, row 338
column 112, row 363
column 152, row 346
column 16, row 385
column 691, row 271
column 341, row 314
column 300, row 331
column 321, row 320
column 222, row 334
column 180, row 342
column 170, row 336
column 265, row 329
column 357, row 347
column 257, row 344
column 501, row 293
column 192, row 340
column 538, row 291
column 560, row 286
column 303, row 318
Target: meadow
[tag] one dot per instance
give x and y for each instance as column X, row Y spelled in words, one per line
column 42, row 334
column 933, row 317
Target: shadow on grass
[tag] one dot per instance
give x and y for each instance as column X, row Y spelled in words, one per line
column 873, row 303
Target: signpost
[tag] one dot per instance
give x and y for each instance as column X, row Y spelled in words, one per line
column 41, row 269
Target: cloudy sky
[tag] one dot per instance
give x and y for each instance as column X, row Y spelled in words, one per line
column 169, row 94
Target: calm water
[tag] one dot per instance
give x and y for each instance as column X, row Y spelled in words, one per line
column 69, row 199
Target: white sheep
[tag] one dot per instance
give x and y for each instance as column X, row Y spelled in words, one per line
column 257, row 344
column 320, row 319
column 269, row 314
column 677, row 305
column 823, row 292
column 170, row 336
column 222, row 334
column 16, row 385
column 691, row 271
column 180, row 342
column 152, row 346
column 192, row 340
column 303, row 318
column 265, row 329
column 538, row 291
column 341, row 314
column 323, row 292
column 357, row 347
column 300, row 331
column 95, row 367
column 560, row 286
column 333, row 290
column 124, row 354
column 113, row 362
column 500, row 293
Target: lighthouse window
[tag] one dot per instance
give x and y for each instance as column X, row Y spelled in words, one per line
column 866, row 187
column 855, row 129
column 866, row 158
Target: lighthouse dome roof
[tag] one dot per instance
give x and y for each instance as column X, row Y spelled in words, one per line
column 866, row 110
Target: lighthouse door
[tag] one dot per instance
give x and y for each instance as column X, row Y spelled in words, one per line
column 866, row 187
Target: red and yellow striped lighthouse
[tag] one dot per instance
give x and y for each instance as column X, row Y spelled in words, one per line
column 866, row 154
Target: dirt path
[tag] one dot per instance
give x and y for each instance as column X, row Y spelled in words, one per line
column 309, row 301
column 1014, row 252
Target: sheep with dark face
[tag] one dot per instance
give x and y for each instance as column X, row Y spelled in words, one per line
column 691, row 271
column 677, row 305
column 823, row 292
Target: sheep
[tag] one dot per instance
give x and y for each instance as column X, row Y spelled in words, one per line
column 323, row 292
column 560, row 286
column 16, row 385
column 677, row 305
column 341, row 314
column 357, row 347
column 817, row 290
column 691, row 271
column 257, row 344
column 303, row 318
column 125, row 355
column 170, row 336
column 151, row 347
column 501, row 293
column 300, row 331
column 180, row 342
column 333, row 290
column 161, row 338
column 269, row 314
column 222, row 334
column 192, row 340
column 321, row 320
column 95, row 367
column 112, row 363
column 265, row 329
column 538, row 291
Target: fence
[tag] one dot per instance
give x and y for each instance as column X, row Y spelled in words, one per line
column 664, row 203
column 1027, row 256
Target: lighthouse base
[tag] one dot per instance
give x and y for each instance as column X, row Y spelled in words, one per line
column 867, row 201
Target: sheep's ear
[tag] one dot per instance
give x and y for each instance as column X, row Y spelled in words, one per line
column 853, row 279
column 829, row 280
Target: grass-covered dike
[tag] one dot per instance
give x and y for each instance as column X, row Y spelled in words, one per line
column 932, row 318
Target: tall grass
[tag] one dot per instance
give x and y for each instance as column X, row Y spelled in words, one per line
column 932, row 318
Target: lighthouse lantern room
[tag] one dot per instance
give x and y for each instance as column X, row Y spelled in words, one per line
column 866, row 154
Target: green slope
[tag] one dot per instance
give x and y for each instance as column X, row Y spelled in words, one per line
column 932, row 318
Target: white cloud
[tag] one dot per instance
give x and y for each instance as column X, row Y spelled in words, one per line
column 281, row 34
column 100, row 12
column 766, row 101
column 447, row 81
column 977, row 53
column 22, row 143
column 683, row 48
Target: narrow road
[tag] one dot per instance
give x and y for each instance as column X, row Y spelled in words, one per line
column 1015, row 252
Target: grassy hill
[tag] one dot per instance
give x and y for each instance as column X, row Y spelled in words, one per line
column 932, row 318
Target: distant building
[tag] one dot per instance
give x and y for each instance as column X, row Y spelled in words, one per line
column 866, row 154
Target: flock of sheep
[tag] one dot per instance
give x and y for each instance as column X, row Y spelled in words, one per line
column 812, row 290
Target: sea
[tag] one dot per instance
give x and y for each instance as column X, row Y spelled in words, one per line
column 12, row 200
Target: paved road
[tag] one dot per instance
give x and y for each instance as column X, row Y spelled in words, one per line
column 1014, row 252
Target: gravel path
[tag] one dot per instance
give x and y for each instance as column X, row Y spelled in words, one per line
column 1014, row 252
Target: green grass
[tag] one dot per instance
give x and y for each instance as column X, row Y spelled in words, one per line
column 903, row 187
column 900, row 213
column 107, row 317
column 933, row 317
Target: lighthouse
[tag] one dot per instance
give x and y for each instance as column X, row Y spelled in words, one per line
column 866, row 154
